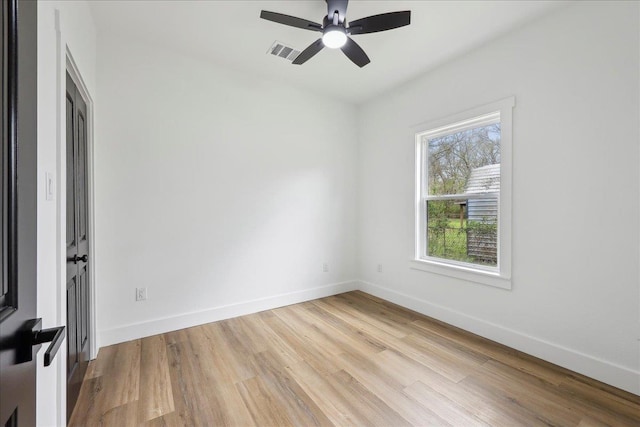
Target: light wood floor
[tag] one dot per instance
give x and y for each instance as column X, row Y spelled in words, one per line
column 346, row 360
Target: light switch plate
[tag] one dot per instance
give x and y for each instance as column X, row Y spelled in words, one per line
column 50, row 186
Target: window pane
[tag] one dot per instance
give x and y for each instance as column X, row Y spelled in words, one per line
column 452, row 158
column 4, row 146
column 463, row 230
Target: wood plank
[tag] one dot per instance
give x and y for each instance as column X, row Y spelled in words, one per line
column 493, row 405
column 301, row 409
column 387, row 313
column 591, row 422
column 264, row 409
column 155, row 380
column 615, row 406
column 237, row 344
column 360, row 398
column 324, row 332
column 123, row 370
column 426, row 356
column 166, row 420
column 91, row 400
column 314, row 336
column 444, row 407
column 443, row 358
column 338, row 305
column 119, row 416
column 276, row 345
column 254, row 335
column 326, row 395
column 447, row 346
column 228, row 368
column 222, row 397
column 185, row 384
column 384, row 384
column 317, row 356
column 373, row 345
column 402, row 311
column 407, row 370
column 474, row 343
column 538, row 397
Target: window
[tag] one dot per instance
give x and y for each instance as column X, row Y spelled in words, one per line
column 463, row 195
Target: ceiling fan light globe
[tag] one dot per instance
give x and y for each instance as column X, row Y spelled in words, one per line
column 334, row 38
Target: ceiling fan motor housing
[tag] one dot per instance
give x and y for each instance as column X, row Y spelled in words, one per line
column 334, row 35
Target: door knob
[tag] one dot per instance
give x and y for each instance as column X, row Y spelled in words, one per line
column 83, row 258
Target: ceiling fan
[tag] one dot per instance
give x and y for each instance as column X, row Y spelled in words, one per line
column 336, row 31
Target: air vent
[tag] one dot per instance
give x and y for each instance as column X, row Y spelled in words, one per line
column 283, row 51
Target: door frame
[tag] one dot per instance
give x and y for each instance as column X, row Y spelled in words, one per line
column 66, row 63
column 72, row 69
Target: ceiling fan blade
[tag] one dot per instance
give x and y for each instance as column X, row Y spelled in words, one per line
column 309, row 52
column 291, row 21
column 382, row 22
column 337, row 5
column 355, row 53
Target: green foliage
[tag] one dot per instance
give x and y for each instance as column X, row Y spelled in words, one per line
column 484, row 227
column 438, row 215
column 452, row 157
column 447, row 238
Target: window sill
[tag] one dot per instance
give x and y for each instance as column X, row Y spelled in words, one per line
column 464, row 273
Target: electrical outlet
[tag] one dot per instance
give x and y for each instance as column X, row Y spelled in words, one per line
column 379, row 268
column 141, row 294
column 325, row 267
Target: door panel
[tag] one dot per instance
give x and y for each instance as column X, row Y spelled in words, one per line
column 84, row 305
column 81, row 196
column 78, row 262
column 19, row 184
column 72, row 347
column 71, row 212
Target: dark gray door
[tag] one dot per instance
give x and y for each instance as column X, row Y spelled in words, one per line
column 18, row 178
column 78, row 263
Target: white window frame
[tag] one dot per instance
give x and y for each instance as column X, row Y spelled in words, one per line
column 500, row 276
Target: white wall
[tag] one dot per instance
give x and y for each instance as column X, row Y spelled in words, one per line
column 74, row 30
column 574, row 301
column 220, row 193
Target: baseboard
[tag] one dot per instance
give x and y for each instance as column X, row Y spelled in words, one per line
column 593, row 367
column 186, row 320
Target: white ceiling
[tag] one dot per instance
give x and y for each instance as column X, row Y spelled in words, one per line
column 230, row 33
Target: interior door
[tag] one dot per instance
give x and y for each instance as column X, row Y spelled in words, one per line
column 18, row 178
column 78, row 262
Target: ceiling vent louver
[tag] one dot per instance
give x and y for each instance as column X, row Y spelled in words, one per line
column 283, row 51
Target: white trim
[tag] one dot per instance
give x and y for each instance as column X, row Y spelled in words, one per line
column 186, row 320
column 465, row 196
column 64, row 63
column 618, row 376
column 506, row 103
column 459, row 126
column 499, row 276
column 61, row 163
column 475, row 274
